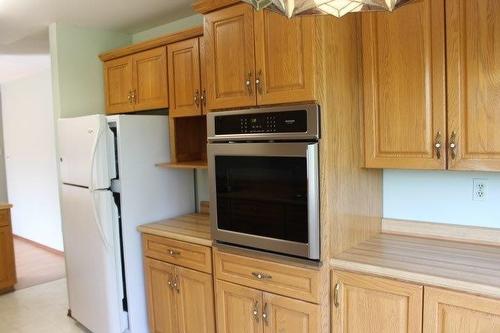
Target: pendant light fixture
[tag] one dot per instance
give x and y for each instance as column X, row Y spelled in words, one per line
column 337, row 8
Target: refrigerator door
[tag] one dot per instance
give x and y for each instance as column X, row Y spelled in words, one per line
column 92, row 246
column 86, row 147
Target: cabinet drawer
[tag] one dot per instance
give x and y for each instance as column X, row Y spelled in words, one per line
column 4, row 217
column 185, row 254
column 269, row 276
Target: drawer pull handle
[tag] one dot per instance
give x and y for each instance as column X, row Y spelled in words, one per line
column 262, row 276
column 173, row 253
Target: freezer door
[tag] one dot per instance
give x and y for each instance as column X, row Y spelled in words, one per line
column 92, row 248
column 86, row 148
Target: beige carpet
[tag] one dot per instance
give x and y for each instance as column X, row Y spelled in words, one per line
column 35, row 265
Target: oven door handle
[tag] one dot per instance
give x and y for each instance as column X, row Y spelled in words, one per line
column 312, row 154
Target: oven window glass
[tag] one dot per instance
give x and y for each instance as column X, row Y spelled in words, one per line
column 264, row 196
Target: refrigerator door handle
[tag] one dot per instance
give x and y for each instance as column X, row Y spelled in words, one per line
column 98, row 223
column 92, row 159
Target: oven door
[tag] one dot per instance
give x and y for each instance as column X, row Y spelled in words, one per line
column 266, row 196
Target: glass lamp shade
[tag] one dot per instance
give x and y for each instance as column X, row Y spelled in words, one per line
column 337, row 8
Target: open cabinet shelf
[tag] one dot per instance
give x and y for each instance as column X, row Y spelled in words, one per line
column 188, row 143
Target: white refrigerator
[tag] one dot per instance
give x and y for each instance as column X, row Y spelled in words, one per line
column 110, row 185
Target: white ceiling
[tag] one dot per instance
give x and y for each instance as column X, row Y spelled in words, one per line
column 23, row 23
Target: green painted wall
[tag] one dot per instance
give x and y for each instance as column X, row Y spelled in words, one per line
column 78, row 83
column 179, row 25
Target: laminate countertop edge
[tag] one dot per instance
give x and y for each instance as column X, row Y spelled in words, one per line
column 175, row 236
column 4, row 205
column 417, row 278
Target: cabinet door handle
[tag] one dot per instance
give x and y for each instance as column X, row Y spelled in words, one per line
column 453, row 145
column 438, row 144
column 262, row 276
column 197, row 98
column 336, row 296
column 265, row 315
column 175, row 284
column 130, row 96
column 258, row 82
column 248, row 84
column 255, row 311
column 204, row 97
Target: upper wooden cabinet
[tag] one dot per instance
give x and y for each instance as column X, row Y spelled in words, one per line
column 230, row 59
column 451, row 312
column 136, row 82
column 473, row 53
column 118, row 85
column 186, row 95
column 369, row 304
column 407, row 122
column 284, row 58
column 404, row 86
column 258, row 58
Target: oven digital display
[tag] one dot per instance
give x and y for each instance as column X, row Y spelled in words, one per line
column 272, row 122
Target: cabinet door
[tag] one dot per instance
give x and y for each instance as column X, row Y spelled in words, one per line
column 369, row 304
column 283, row 314
column 150, row 79
column 473, row 55
column 195, row 301
column 118, row 85
column 404, row 86
column 284, row 58
column 239, row 309
column 162, row 311
column 7, row 263
column 451, row 312
column 230, row 59
column 184, row 78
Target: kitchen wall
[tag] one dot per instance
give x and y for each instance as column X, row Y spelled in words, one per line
column 172, row 27
column 182, row 24
column 441, row 196
column 3, row 180
column 29, row 135
column 77, row 71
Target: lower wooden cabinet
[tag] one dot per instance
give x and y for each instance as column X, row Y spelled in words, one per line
column 243, row 309
column 368, row 304
column 7, row 261
column 452, row 312
column 180, row 300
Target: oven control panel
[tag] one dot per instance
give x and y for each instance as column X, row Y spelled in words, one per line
column 272, row 122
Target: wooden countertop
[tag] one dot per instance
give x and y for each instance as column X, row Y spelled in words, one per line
column 193, row 228
column 5, row 205
column 465, row 267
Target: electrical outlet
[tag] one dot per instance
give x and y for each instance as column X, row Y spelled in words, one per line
column 479, row 189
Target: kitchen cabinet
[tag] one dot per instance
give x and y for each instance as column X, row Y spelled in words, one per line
column 473, row 64
column 404, row 86
column 179, row 299
column 431, row 101
column 242, row 309
column 257, row 58
column 7, row 261
column 186, row 95
column 452, row 312
column 136, row 82
column 368, row 304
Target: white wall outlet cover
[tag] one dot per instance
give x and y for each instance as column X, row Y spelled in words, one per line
column 479, row 189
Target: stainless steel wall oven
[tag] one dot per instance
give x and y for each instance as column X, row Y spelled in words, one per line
column 264, row 179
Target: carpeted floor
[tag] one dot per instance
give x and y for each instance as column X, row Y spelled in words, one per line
column 35, row 265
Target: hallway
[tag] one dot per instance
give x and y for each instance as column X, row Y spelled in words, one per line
column 36, row 265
